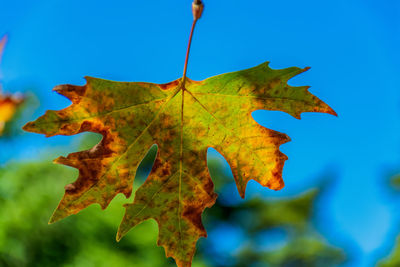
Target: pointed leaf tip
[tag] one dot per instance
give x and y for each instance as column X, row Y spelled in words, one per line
column 118, row 237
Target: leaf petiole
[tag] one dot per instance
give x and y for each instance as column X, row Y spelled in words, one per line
column 197, row 10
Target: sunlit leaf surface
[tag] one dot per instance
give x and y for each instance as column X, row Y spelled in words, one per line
column 183, row 118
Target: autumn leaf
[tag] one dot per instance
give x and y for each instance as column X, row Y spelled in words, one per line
column 183, row 118
column 8, row 103
column 8, row 107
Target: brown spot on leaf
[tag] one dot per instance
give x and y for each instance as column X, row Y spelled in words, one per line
column 157, row 164
column 193, row 214
column 170, row 85
column 72, row 92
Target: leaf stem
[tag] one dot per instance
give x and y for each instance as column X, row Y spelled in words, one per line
column 197, row 9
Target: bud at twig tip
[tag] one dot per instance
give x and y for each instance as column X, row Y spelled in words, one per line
column 197, row 9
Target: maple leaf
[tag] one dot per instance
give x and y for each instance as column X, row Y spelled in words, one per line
column 184, row 120
column 8, row 103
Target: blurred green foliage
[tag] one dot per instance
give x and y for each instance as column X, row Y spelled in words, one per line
column 395, row 182
column 30, row 191
column 298, row 244
column 393, row 260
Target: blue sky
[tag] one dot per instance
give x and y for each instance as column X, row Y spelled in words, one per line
column 351, row 45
